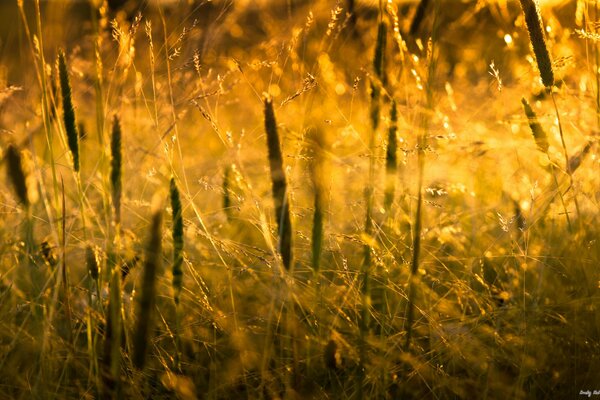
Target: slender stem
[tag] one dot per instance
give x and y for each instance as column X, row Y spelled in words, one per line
column 566, row 155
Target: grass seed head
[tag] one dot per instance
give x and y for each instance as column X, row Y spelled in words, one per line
column 535, row 27
column 177, row 240
column 541, row 139
column 16, row 175
column 68, row 109
column 116, row 167
column 48, row 254
column 227, row 191
column 379, row 58
column 391, row 157
column 331, row 355
column 91, row 260
column 279, row 185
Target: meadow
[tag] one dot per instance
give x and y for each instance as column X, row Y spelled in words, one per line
column 299, row 199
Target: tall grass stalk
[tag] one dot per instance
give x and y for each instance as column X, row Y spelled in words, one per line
column 17, row 178
column 380, row 75
column 93, row 268
column 64, row 271
column 566, row 157
column 279, row 185
column 317, row 168
column 113, row 331
column 147, row 299
column 376, row 84
column 36, row 44
column 421, row 148
column 284, row 247
column 98, row 79
column 114, row 318
column 71, row 129
column 535, row 27
column 317, row 171
column 317, row 231
column 379, row 70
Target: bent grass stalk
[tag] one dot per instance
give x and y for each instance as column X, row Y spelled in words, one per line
column 421, row 146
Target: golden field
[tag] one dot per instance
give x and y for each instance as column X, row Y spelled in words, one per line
column 299, row 199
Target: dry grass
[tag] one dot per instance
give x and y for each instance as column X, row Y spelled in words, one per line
column 438, row 249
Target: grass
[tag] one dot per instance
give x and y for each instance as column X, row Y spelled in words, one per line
column 367, row 209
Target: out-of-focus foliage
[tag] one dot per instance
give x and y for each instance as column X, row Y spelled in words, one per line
column 506, row 291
